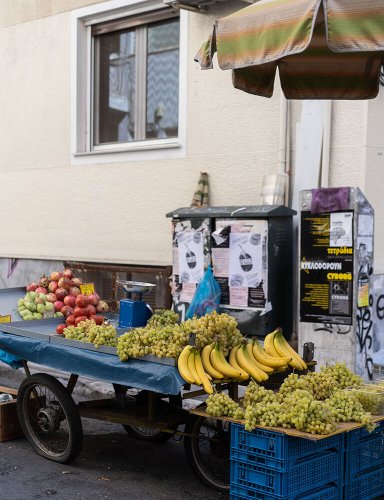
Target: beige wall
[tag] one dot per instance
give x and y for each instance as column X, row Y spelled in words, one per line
column 116, row 212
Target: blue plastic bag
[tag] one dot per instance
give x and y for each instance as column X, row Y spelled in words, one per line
column 206, row 298
column 10, row 360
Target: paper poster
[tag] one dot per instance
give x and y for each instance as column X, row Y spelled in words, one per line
column 245, row 260
column 365, row 225
column 341, row 230
column 220, row 261
column 191, row 257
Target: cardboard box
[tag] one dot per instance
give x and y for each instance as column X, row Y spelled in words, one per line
column 9, row 421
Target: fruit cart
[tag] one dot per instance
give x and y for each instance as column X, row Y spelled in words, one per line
column 148, row 401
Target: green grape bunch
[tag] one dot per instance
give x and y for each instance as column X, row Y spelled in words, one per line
column 214, row 327
column 219, row 405
column 89, row 331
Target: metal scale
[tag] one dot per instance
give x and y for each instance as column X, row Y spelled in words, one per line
column 133, row 311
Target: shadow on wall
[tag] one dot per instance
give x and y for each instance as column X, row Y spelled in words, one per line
column 19, row 272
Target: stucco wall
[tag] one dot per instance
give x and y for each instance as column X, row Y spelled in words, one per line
column 116, row 212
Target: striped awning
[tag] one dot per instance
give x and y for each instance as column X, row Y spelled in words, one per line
column 323, row 49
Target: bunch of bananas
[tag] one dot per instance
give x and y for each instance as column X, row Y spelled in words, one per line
column 276, row 345
column 246, row 360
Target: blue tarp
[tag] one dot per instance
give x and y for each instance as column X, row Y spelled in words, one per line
column 98, row 365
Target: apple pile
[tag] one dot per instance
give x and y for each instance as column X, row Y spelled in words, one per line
column 62, row 289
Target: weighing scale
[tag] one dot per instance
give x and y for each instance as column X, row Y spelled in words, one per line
column 133, row 311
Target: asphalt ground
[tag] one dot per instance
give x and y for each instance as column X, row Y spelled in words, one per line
column 111, row 465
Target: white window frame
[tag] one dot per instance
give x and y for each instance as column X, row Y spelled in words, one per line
column 81, row 88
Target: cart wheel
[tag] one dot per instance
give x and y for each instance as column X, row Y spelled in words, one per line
column 49, row 418
column 148, row 433
column 207, row 450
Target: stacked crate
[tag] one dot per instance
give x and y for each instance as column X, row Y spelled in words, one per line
column 267, row 465
column 364, row 464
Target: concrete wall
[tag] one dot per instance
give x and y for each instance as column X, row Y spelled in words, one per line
column 52, row 209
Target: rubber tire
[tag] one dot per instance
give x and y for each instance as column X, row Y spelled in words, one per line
column 71, row 413
column 157, row 436
column 193, row 427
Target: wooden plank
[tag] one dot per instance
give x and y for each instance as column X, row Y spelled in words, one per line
column 8, row 390
column 340, row 427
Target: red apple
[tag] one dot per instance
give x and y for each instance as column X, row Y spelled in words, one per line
column 80, row 318
column 102, row 306
column 41, row 289
column 81, row 300
column 58, row 305
column 53, row 286
column 61, row 293
column 60, row 328
column 70, row 320
column 66, row 311
column 74, row 290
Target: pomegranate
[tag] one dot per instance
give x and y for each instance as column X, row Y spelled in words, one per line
column 93, row 299
column 55, row 276
column 31, row 287
column 51, row 297
column 66, row 311
column 61, row 293
column 69, row 300
column 60, row 328
column 70, row 320
column 58, row 305
column 102, row 306
column 80, row 311
column 53, row 286
column 79, row 319
column 67, row 273
column 41, row 289
column 64, row 283
column 99, row 320
column 81, row 300
column 76, row 282
column 91, row 310
column 44, row 281
column 74, row 290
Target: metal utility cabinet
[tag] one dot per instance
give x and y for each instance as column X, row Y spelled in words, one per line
column 251, row 252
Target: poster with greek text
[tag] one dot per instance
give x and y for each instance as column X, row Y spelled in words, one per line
column 326, row 267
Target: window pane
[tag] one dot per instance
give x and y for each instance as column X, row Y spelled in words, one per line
column 115, row 87
column 163, row 80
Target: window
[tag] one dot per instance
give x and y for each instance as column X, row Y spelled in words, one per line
column 129, row 88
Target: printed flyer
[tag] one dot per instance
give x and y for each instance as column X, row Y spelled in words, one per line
column 326, row 267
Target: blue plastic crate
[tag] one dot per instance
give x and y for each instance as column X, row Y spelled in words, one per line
column 308, row 473
column 277, row 450
column 366, row 486
column 357, row 435
column 363, row 455
column 327, row 492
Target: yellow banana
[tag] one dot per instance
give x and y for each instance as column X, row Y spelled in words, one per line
column 192, row 368
column 207, row 365
column 182, row 365
column 262, row 357
column 220, row 364
column 264, row 368
column 269, row 346
column 233, row 362
column 283, row 348
column 201, row 373
column 247, row 364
